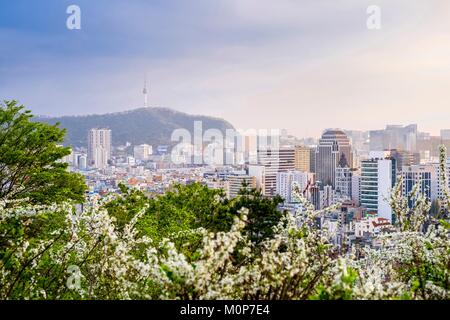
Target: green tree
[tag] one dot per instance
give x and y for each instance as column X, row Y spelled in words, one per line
column 30, row 159
column 126, row 206
column 184, row 208
column 263, row 213
column 181, row 208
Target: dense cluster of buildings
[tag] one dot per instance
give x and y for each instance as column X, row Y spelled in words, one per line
column 355, row 169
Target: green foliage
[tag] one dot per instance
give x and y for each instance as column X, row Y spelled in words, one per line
column 185, row 208
column 195, row 206
column 192, row 242
column 421, row 272
column 263, row 213
column 150, row 125
column 118, row 261
column 37, row 233
column 180, row 209
column 30, row 160
column 339, row 290
column 124, row 208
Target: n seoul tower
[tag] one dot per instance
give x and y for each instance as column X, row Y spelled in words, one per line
column 145, row 92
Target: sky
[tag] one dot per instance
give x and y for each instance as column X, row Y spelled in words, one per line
column 260, row 64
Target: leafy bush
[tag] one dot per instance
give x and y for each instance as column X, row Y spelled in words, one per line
column 85, row 255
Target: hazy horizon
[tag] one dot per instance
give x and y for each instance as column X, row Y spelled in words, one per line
column 289, row 132
column 298, row 65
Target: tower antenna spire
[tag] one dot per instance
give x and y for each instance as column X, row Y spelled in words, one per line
column 145, row 92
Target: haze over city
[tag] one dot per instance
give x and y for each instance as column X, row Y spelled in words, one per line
column 299, row 65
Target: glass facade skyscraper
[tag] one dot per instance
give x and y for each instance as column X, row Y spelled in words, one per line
column 334, row 148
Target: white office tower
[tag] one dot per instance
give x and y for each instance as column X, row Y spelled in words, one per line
column 236, row 182
column 99, row 148
column 327, row 197
column 343, row 182
column 356, row 186
column 75, row 159
column 425, row 176
column 440, row 186
column 275, row 161
column 142, row 152
column 376, row 184
column 284, row 187
column 82, row 162
column 286, row 181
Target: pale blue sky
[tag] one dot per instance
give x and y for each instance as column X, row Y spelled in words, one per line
column 299, row 65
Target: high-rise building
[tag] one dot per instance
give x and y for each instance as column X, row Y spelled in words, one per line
column 312, row 159
column 356, row 188
column 445, row 134
column 75, row 159
column 303, row 158
column 343, row 182
column 376, row 184
column 274, row 161
column 315, row 197
column 394, row 137
column 82, row 162
column 99, row 147
column 428, row 147
column 440, row 186
column 360, row 144
column 405, row 158
column 142, row 152
column 334, row 148
column 426, row 178
column 327, row 197
column 236, row 182
column 286, row 180
column 259, row 173
column 377, row 140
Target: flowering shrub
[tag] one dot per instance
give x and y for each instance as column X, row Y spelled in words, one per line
column 117, row 264
column 58, row 252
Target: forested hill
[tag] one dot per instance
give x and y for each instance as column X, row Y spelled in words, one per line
column 153, row 126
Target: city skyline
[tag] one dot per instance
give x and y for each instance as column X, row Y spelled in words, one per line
column 439, row 132
column 225, row 152
column 290, row 63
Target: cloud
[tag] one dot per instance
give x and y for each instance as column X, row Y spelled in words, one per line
column 300, row 65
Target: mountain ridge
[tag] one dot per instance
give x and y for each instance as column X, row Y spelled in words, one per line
column 151, row 125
